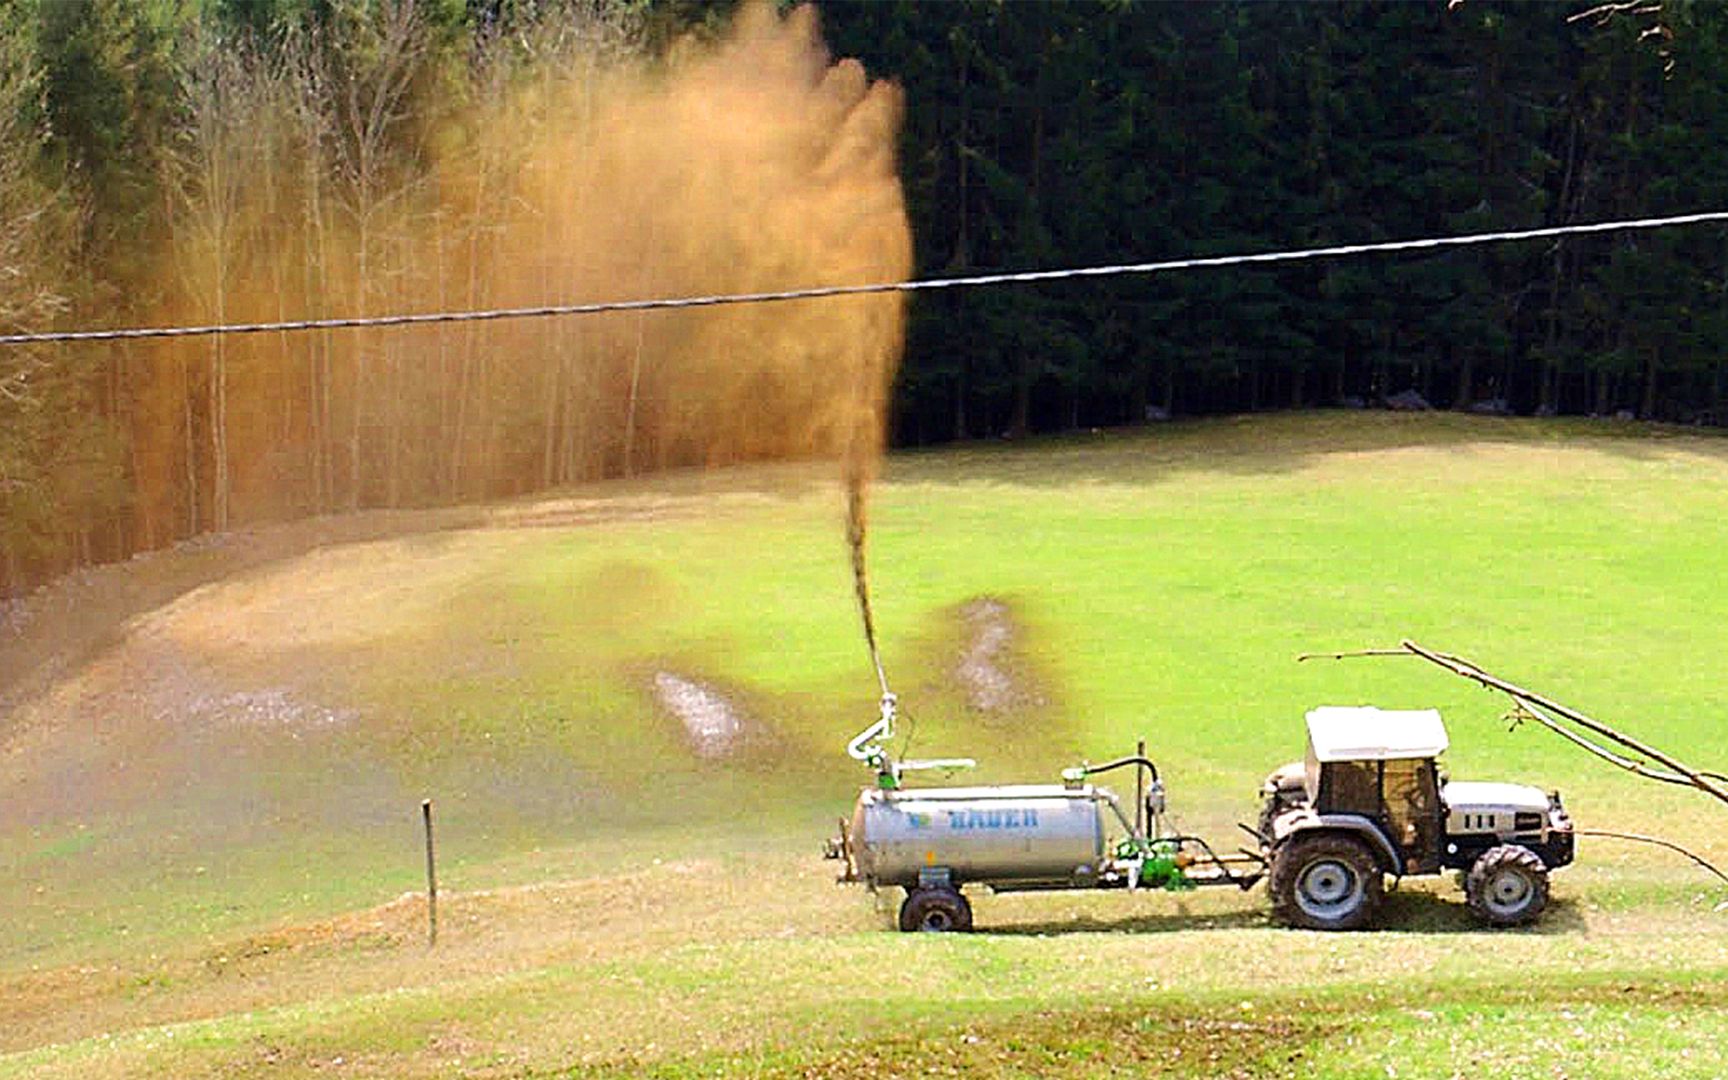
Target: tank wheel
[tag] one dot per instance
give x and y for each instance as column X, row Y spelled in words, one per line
column 1325, row 882
column 1508, row 886
column 935, row 910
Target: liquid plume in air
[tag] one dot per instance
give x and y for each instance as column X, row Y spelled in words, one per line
column 573, row 169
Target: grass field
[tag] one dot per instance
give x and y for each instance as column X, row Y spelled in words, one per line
column 209, row 817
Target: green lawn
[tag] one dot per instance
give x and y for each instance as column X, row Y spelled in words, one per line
column 1159, row 585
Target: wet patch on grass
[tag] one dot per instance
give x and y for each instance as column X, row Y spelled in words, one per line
column 993, row 679
column 271, row 707
column 712, row 723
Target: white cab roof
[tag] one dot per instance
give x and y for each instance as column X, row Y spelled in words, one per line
column 1365, row 733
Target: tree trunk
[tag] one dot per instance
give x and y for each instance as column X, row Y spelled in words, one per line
column 1020, row 420
column 193, row 524
column 1550, row 378
column 318, row 296
column 961, row 422
column 218, row 392
column 444, row 417
column 552, row 356
column 455, row 480
column 357, row 402
column 635, row 392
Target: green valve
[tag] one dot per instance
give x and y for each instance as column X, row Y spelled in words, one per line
column 1160, row 870
column 885, row 778
column 1157, row 870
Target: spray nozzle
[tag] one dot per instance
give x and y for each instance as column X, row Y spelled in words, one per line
column 866, row 746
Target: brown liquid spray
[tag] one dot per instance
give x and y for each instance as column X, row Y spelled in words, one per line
column 575, row 170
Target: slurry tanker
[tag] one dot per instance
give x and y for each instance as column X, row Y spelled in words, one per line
column 1369, row 801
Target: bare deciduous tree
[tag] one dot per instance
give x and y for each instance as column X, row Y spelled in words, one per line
column 209, row 170
column 32, row 217
column 376, row 54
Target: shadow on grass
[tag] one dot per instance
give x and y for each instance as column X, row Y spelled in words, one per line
column 1268, row 444
column 1426, row 912
column 1404, row 911
column 1145, row 923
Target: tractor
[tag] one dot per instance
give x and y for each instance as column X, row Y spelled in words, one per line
column 1370, row 801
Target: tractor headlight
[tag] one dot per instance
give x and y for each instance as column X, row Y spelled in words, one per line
column 1558, row 819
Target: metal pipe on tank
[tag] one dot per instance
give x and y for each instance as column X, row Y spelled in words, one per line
column 1139, row 793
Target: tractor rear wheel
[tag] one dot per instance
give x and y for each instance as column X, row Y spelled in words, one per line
column 1507, row 886
column 936, row 911
column 1325, row 882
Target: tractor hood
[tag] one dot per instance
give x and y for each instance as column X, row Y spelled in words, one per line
column 1462, row 795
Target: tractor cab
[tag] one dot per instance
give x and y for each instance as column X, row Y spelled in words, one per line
column 1380, row 765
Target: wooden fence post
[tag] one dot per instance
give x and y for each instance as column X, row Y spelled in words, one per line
column 431, row 876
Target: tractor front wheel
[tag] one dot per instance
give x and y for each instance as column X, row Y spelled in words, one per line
column 1326, row 882
column 1507, row 886
column 936, row 911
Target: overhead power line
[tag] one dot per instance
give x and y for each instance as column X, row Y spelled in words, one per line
column 975, row 281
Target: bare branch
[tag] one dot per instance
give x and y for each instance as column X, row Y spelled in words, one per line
column 1605, row 13
column 1555, row 716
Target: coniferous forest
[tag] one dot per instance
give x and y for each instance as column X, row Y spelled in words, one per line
column 210, row 161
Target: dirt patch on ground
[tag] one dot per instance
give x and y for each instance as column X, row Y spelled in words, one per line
column 574, row 512
column 156, row 675
column 61, row 626
column 991, row 678
column 151, row 722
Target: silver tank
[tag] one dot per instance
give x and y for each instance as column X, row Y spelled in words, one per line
column 1026, row 835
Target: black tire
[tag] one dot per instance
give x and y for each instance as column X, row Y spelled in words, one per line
column 1325, row 882
column 1507, row 886
column 935, row 911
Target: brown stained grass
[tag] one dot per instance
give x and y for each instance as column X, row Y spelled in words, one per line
column 484, row 934
column 1283, row 1035
column 1107, row 1041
